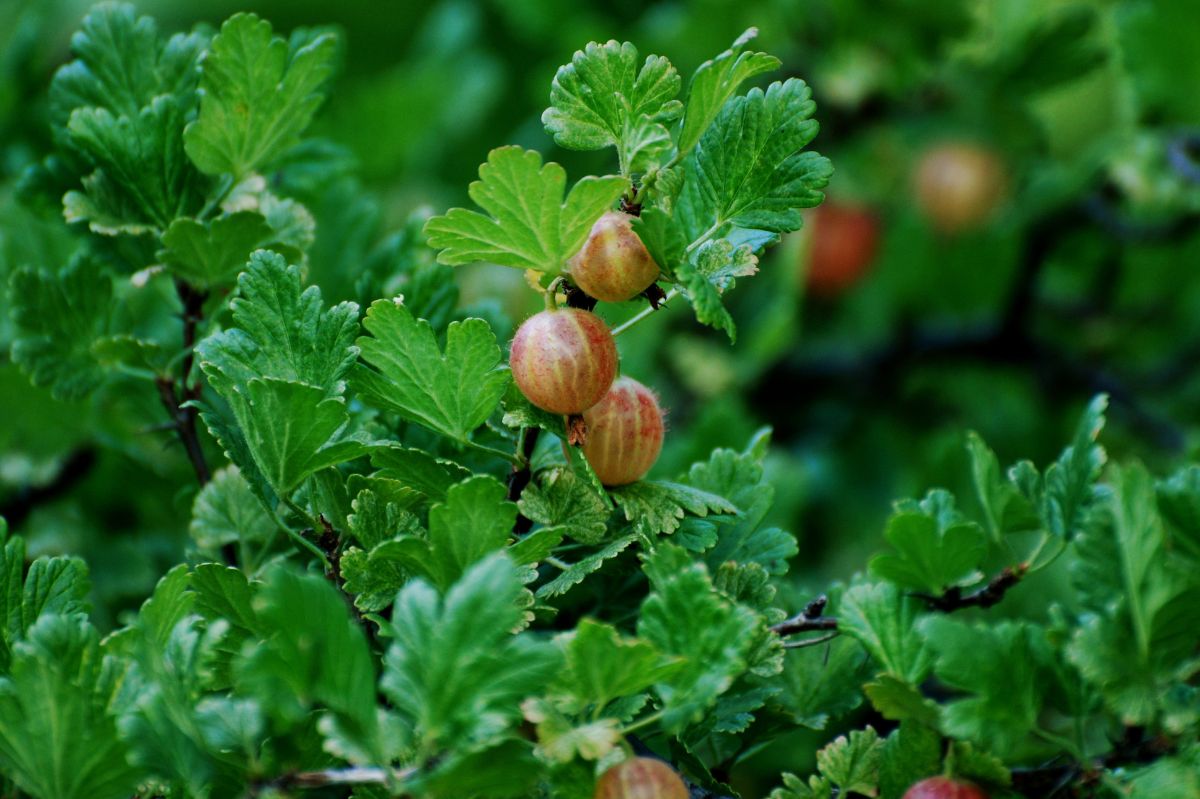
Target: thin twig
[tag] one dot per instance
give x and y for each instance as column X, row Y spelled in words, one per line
column 176, row 401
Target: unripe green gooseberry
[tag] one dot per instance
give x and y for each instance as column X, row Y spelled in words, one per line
column 624, row 433
column 944, row 788
column 640, row 778
column 564, row 360
column 959, row 185
column 613, row 265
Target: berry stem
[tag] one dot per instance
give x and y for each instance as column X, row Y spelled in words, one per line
column 644, row 313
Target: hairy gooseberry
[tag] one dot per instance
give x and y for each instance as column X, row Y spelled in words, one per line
column 944, row 788
column 640, row 778
column 624, row 433
column 564, row 360
column 959, row 185
column 613, row 265
column 843, row 242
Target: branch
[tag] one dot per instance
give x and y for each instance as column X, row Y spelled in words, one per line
column 522, row 473
column 984, row 597
column 183, row 419
column 1132, row 749
column 27, row 498
column 808, row 620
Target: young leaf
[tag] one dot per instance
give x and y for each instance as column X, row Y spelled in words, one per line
column 56, row 739
column 451, row 393
column 715, row 81
column 58, row 317
column 474, row 521
column 529, row 227
column 256, row 96
column 1005, row 510
column 601, row 99
column 455, row 672
column 822, row 683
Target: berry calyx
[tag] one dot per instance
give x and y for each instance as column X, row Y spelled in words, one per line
column 959, row 185
column 613, row 265
column 640, row 778
column 624, row 433
column 843, row 242
column 564, row 360
column 944, row 788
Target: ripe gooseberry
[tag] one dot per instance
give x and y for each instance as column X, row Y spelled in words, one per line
column 564, row 360
column 944, row 788
column 843, row 242
column 959, row 185
column 640, row 778
column 624, row 433
column 613, row 265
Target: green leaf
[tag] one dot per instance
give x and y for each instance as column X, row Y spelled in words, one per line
column 378, row 517
column 226, row 511
column 315, row 654
column 602, row 665
column 119, row 109
column 685, row 617
column 58, row 318
column 1145, row 607
column 910, row 754
column 579, row 571
column 374, row 577
column 897, row 700
column 1002, row 672
column 821, row 684
column 280, row 332
column 747, row 169
column 256, row 96
column 1005, row 510
column 212, row 253
column 56, row 740
column 474, row 521
column 817, row 787
column 657, row 507
column 58, row 585
column 852, row 763
column 883, row 620
column 715, row 81
column 417, row 470
column 529, row 227
column 602, row 99
column 294, row 430
column 1179, row 502
column 738, row 477
column 932, row 553
column 966, row 761
column 559, row 498
column 450, row 393
column 705, row 299
column 455, row 672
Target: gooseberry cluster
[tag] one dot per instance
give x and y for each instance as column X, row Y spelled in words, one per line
column 565, row 360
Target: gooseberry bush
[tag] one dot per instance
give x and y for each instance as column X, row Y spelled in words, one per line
column 422, row 568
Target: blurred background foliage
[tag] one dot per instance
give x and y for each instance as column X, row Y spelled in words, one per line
column 1082, row 278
